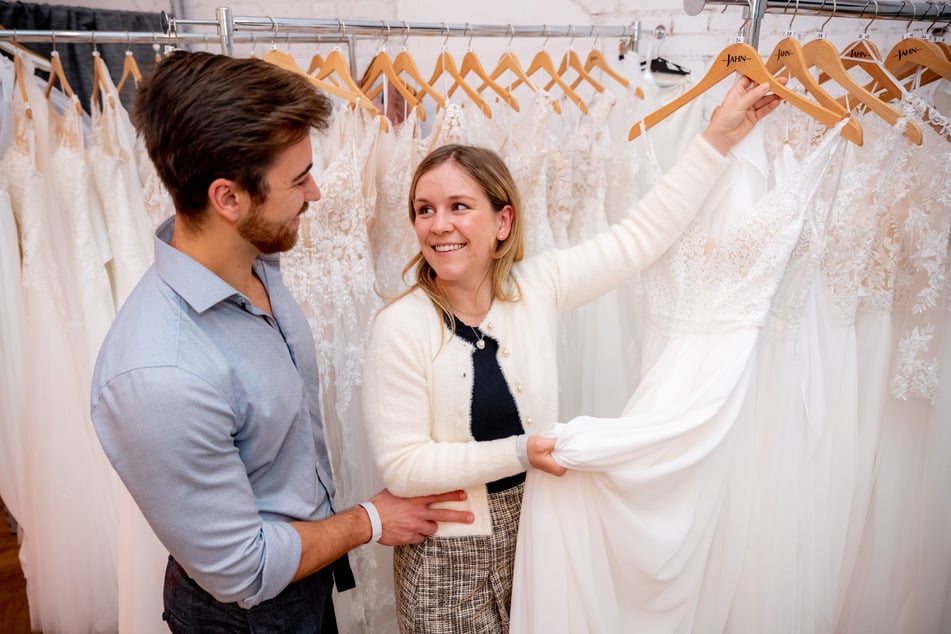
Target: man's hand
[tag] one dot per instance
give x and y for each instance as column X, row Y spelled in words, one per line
column 410, row 520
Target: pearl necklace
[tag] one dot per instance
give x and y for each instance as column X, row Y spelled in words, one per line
column 480, row 343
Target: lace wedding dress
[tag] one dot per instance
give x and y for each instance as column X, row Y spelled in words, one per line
column 646, row 527
column 69, row 564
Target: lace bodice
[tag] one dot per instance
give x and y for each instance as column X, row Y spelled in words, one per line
column 921, row 275
column 589, row 185
column 330, row 271
column 392, row 239
column 527, row 161
column 858, row 203
column 725, row 268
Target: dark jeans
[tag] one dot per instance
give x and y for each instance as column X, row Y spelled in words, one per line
column 304, row 606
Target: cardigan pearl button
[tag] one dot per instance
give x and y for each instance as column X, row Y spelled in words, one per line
column 518, row 388
column 505, row 352
column 528, row 420
column 488, row 326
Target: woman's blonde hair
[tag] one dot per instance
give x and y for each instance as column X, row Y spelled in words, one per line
column 489, row 171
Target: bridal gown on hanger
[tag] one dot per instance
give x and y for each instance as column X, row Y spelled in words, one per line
column 392, row 239
column 330, row 273
column 141, row 556
column 902, row 560
column 69, row 565
column 646, row 529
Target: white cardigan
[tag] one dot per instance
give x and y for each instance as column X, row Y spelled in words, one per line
column 418, row 377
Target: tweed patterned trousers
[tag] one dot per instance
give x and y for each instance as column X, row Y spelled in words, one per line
column 460, row 585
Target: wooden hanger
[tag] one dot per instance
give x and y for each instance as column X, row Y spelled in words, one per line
column 822, row 54
column 739, row 58
column 542, row 61
column 445, row 64
column 99, row 83
column 129, row 69
column 57, row 74
column 912, row 53
column 572, row 62
column 315, row 63
column 356, row 98
column 21, row 83
column 509, row 63
column 404, row 64
column 335, row 67
column 597, row 61
column 788, row 55
column 382, row 66
column 471, row 63
column 863, row 53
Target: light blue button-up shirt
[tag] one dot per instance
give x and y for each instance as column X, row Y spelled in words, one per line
column 208, row 409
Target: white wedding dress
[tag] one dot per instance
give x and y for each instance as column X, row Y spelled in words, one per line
column 645, row 532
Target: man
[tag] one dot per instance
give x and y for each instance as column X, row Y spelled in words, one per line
column 205, row 393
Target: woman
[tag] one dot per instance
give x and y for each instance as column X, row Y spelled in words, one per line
column 461, row 370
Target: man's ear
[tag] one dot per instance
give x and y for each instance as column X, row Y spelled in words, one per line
column 225, row 199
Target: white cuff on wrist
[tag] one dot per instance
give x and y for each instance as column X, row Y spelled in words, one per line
column 376, row 525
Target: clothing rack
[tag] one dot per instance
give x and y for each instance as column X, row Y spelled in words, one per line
column 757, row 9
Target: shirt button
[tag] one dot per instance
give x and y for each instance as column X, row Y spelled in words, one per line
column 488, row 326
column 505, row 352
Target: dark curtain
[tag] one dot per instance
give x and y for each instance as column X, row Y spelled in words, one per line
column 77, row 58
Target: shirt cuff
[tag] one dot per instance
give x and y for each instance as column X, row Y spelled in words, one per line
column 521, row 450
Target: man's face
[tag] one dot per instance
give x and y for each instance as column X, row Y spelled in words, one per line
column 272, row 225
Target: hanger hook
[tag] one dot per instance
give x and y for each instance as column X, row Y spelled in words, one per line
column 53, row 38
column 341, row 27
column 937, row 14
column 546, row 34
column 95, row 49
column 468, row 30
column 511, row 32
column 831, row 15
column 594, row 33
column 739, row 32
column 875, row 17
column 794, row 14
column 571, row 36
column 914, row 16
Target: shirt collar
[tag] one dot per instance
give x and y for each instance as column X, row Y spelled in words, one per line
column 193, row 282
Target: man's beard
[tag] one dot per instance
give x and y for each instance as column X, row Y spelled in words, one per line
column 267, row 237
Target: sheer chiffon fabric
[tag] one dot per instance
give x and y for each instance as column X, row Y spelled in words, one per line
column 648, row 526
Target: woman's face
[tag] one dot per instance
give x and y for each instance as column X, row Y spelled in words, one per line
column 457, row 229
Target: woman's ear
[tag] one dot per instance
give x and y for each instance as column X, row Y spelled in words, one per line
column 224, row 198
column 505, row 216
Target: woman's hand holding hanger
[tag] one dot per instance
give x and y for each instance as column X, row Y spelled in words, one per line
column 742, row 108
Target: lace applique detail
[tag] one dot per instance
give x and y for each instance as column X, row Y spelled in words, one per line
column 720, row 276
column 802, row 270
column 589, row 184
column 853, row 224
column 921, row 278
column 330, row 271
column 527, row 160
column 392, row 238
column 451, row 129
column 916, row 376
column 158, row 202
